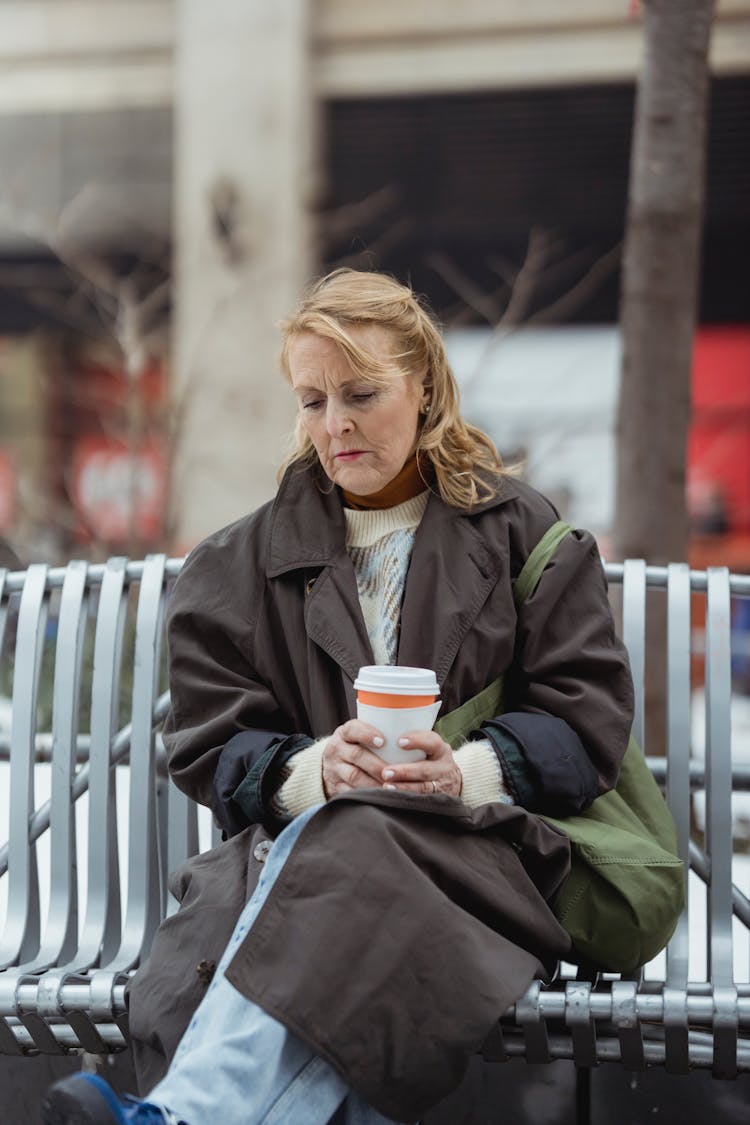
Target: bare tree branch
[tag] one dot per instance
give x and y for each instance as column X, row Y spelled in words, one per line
column 587, row 285
column 341, row 222
column 538, row 253
column 527, row 280
column 469, row 292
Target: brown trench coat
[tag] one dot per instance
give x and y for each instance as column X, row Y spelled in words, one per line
column 402, row 926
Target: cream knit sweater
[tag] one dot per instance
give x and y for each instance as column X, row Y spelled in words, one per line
column 379, row 543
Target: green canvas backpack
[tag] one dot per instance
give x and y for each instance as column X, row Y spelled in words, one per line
column 626, row 887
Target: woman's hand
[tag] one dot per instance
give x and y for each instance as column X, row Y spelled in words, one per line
column 436, row 773
column 348, row 763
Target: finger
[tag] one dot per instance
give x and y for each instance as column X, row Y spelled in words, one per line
column 366, row 761
column 424, row 777
column 354, row 778
column 344, row 777
column 348, row 743
column 364, row 734
column 414, row 772
column 424, row 788
column 427, row 740
column 355, row 754
column 348, row 759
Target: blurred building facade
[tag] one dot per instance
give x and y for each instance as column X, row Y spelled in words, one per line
column 174, row 172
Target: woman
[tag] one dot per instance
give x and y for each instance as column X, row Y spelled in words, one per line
column 400, row 908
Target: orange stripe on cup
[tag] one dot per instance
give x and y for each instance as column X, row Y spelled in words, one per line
column 383, row 699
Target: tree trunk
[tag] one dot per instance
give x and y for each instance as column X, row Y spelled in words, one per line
column 660, row 280
column 658, row 309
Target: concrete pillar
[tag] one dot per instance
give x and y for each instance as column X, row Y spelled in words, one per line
column 244, row 180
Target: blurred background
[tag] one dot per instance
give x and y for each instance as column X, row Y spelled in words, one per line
column 173, row 172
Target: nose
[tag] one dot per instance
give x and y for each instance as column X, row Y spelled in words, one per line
column 338, row 421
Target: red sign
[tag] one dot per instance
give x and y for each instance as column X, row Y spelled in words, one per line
column 118, row 491
column 719, row 448
column 7, row 490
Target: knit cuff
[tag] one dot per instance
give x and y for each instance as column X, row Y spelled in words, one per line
column 303, row 783
column 482, row 774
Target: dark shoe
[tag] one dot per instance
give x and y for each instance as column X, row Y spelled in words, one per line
column 86, row 1099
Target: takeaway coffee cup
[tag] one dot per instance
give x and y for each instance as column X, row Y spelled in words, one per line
column 397, row 700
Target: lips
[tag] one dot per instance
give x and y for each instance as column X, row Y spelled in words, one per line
column 349, row 454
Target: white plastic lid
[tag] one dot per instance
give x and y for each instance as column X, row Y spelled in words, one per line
column 395, row 680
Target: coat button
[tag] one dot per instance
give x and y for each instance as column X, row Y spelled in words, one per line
column 205, row 971
column 261, row 850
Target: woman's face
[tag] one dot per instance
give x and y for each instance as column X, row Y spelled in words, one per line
column 363, row 431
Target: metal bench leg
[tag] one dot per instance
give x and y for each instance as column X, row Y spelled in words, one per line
column 583, row 1095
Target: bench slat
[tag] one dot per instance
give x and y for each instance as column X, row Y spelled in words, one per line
column 144, row 878
column 101, row 929
column 719, row 821
column 634, row 636
column 678, row 750
column 719, row 776
column 20, row 940
column 62, row 919
column 677, row 790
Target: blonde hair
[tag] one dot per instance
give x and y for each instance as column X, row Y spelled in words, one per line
column 465, row 462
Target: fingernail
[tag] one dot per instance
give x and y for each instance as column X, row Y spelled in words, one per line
column 377, row 740
column 389, row 786
column 403, row 741
column 389, row 773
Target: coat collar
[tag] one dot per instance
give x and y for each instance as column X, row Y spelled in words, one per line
column 453, row 568
column 308, row 527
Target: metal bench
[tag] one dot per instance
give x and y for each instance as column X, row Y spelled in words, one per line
column 81, row 652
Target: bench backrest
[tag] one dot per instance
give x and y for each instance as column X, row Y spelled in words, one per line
column 82, row 658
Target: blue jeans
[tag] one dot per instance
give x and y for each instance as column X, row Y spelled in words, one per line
column 239, row 1066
